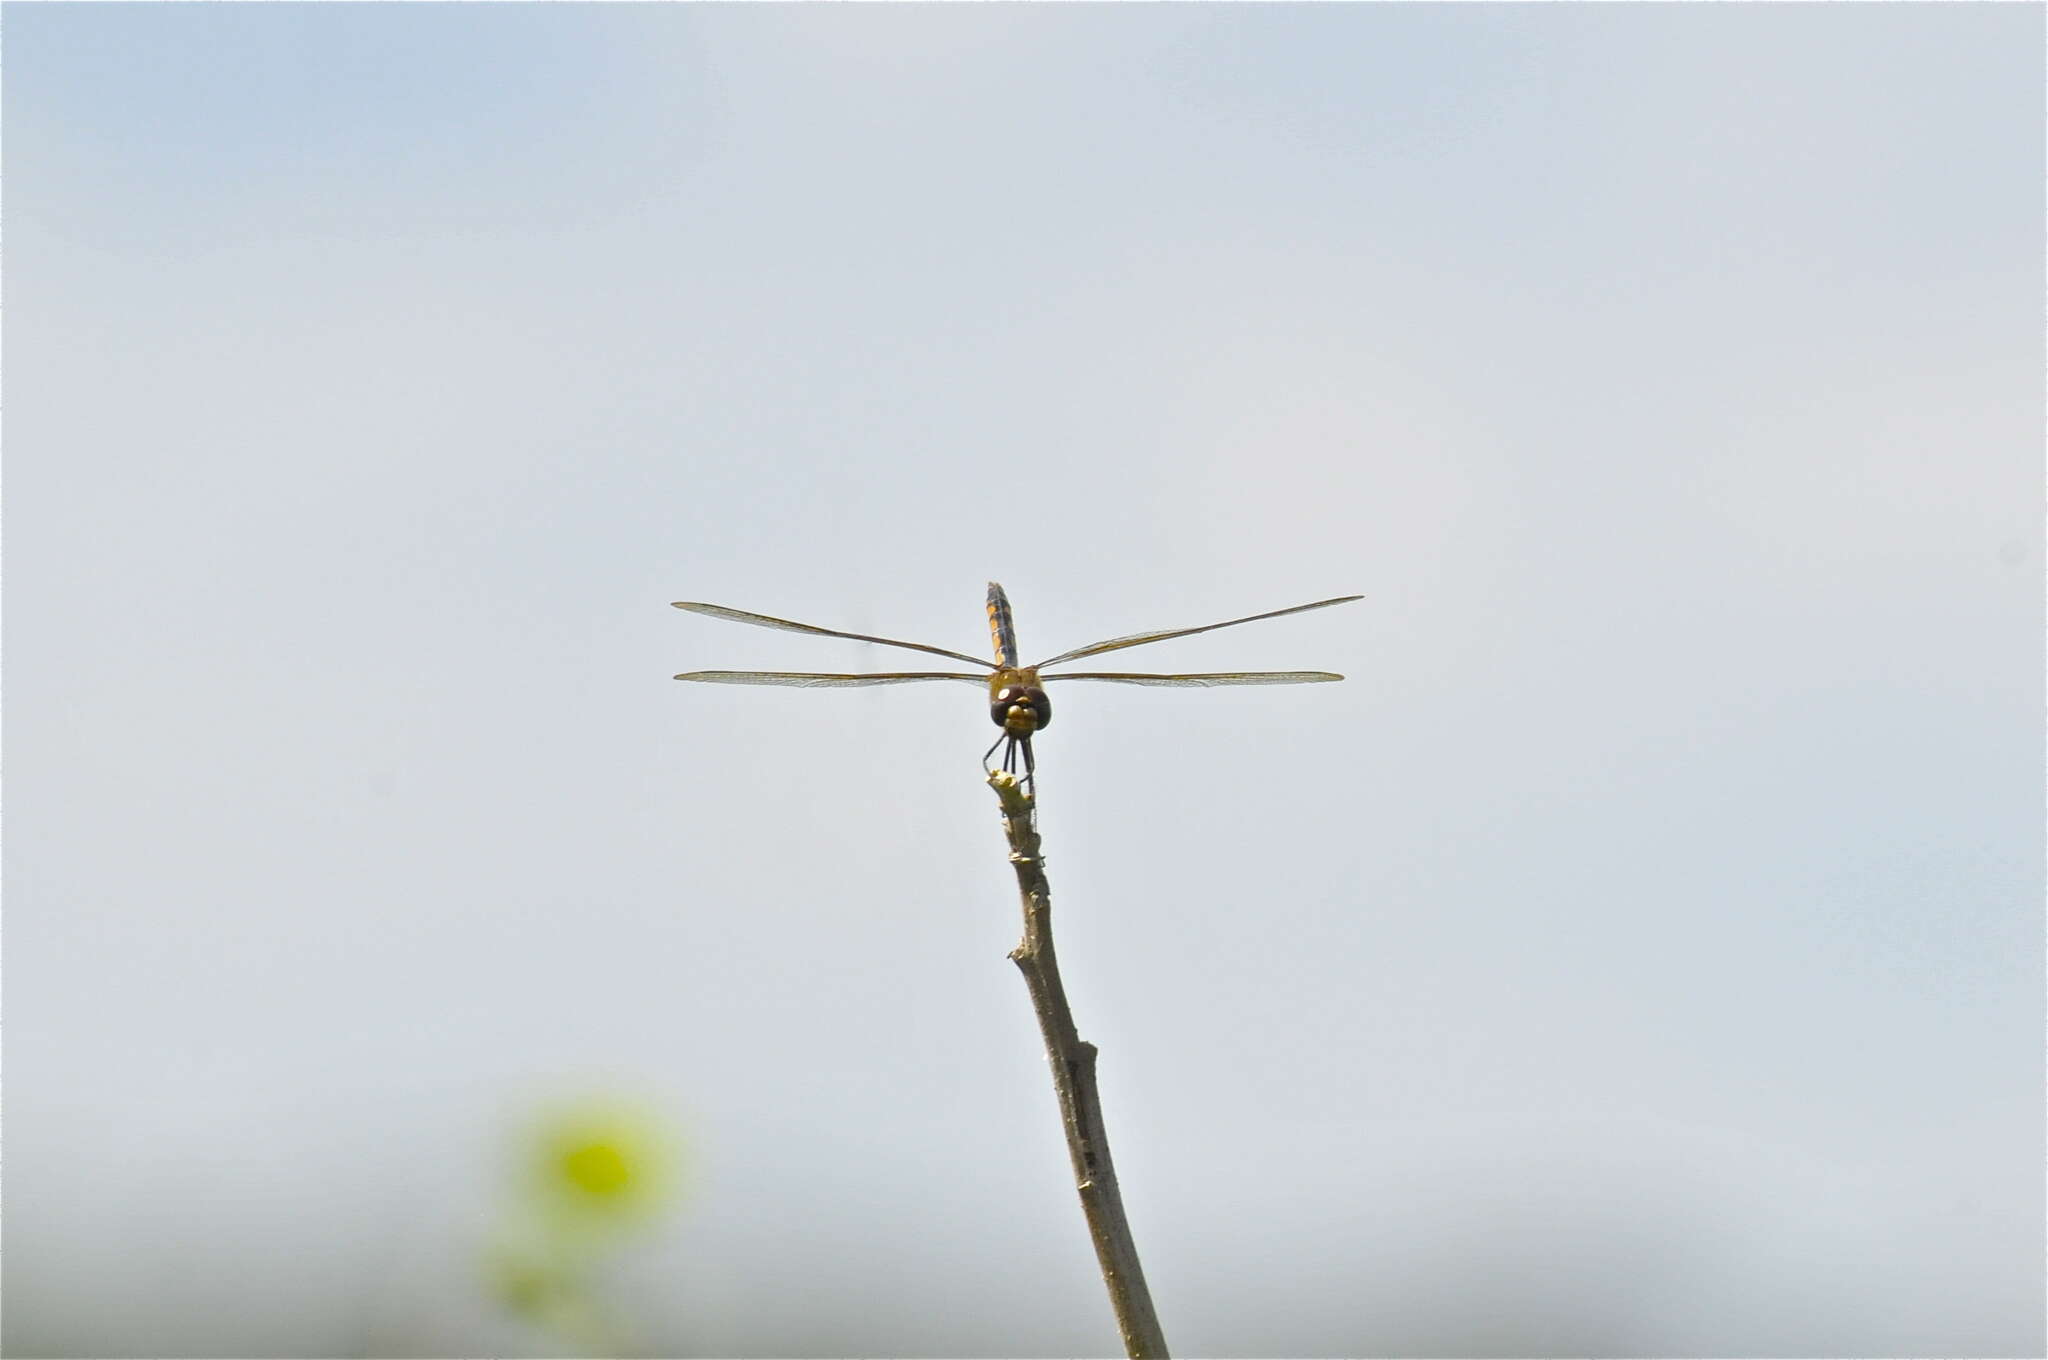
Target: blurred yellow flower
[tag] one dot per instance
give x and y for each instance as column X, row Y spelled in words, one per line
column 602, row 1163
column 588, row 1172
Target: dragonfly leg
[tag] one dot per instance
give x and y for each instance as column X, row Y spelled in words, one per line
column 1011, row 745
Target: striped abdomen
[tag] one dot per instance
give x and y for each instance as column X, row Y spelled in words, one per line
column 1002, row 631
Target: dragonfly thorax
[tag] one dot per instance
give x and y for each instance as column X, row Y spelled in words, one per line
column 1017, row 704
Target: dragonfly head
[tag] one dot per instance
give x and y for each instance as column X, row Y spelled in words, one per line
column 1017, row 704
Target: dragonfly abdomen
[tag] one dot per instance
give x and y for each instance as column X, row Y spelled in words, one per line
column 1002, row 629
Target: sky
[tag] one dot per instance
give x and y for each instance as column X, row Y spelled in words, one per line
column 1640, row 953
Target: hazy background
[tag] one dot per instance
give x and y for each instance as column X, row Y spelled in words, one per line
column 1639, row 954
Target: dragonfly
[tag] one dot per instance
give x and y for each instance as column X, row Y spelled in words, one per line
column 1018, row 703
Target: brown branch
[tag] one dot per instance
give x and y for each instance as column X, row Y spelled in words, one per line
column 1072, row 1060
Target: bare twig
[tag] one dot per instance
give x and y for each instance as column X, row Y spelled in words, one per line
column 1073, row 1077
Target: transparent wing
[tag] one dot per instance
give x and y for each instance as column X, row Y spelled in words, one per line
column 810, row 680
column 1162, row 634
column 1200, row 681
column 719, row 611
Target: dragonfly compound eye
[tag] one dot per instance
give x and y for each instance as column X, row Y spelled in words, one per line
column 1021, row 710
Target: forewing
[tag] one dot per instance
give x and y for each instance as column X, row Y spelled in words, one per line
column 1203, row 681
column 811, row 680
column 1162, row 634
column 719, row 611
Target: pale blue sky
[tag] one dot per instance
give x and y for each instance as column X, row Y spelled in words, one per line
column 1639, row 954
